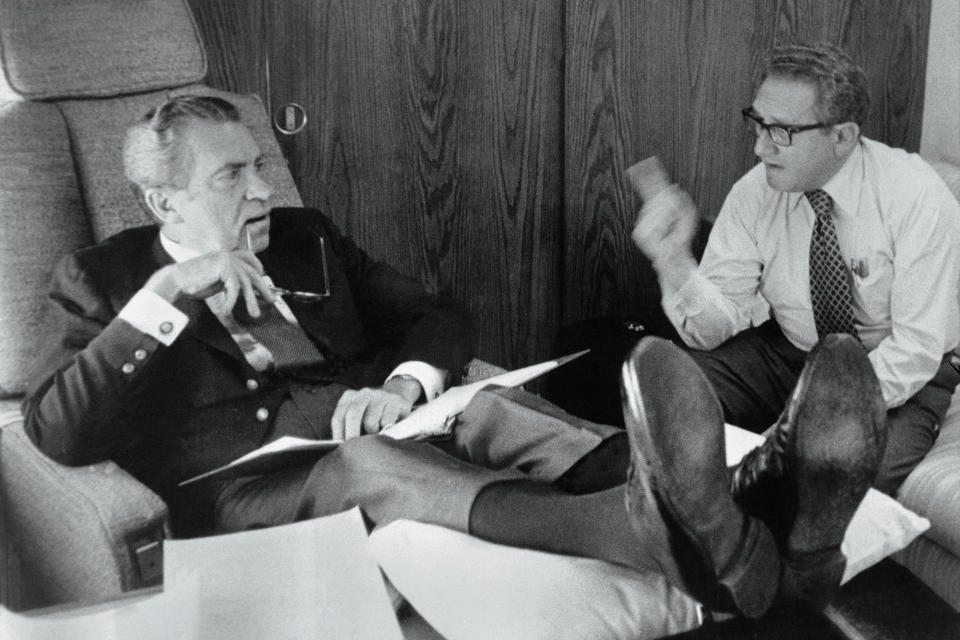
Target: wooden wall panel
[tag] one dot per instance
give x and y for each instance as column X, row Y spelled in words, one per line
column 433, row 140
column 668, row 79
column 479, row 145
column 233, row 35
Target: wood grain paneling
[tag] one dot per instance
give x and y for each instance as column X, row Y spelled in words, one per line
column 479, row 145
column 434, row 140
column 668, row 79
column 232, row 31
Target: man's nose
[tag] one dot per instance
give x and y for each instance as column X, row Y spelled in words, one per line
column 258, row 188
column 763, row 146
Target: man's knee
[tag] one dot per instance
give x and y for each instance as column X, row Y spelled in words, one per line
column 365, row 452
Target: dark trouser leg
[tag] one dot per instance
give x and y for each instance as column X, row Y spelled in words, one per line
column 753, row 374
column 912, row 428
column 527, row 514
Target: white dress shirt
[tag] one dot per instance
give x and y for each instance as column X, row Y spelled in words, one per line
column 148, row 312
column 898, row 227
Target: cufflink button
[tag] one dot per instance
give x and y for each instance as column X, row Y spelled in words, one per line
column 128, row 368
column 262, row 414
column 252, row 385
column 140, row 354
column 166, row 327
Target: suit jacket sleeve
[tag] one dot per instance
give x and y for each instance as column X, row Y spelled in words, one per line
column 81, row 386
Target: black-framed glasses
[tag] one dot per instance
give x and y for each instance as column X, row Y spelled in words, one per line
column 780, row 134
column 309, row 296
column 300, row 296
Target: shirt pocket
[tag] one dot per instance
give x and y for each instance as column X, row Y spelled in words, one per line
column 872, row 281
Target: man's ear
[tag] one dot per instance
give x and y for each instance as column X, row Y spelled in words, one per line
column 847, row 135
column 159, row 202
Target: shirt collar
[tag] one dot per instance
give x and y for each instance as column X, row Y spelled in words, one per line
column 844, row 187
column 177, row 251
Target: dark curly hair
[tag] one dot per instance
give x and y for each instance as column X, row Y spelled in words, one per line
column 841, row 83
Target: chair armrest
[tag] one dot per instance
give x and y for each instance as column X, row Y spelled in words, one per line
column 77, row 533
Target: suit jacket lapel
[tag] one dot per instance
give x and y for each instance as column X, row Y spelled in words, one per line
column 293, row 272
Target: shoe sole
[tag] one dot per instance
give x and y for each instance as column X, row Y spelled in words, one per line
column 839, row 417
column 705, row 518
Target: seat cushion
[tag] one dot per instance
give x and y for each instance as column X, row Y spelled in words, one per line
column 97, row 47
column 43, row 219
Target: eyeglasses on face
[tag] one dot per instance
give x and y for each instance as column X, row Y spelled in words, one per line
column 780, row 134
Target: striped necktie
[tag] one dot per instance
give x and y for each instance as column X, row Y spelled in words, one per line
column 829, row 286
column 271, row 341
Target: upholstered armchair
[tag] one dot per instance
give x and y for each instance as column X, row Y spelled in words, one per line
column 73, row 79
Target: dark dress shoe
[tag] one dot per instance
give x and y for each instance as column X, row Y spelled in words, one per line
column 811, row 473
column 678, row 491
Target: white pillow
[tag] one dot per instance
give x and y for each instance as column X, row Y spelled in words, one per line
column 880, row 527
column 467, row 588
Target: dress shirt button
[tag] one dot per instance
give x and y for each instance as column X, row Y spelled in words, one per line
column 166, row 327
column 128, row 368
column 262, row 414
column 140, row 354
column 252, row 385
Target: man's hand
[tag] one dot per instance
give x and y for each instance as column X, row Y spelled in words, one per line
column 232, row 273
column 664, row 231
column 372, row 409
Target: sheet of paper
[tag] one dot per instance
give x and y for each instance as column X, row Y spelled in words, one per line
column 739, row 443
column 172, row 614
column 282, row 453
column 436, row 417
column 311, row 579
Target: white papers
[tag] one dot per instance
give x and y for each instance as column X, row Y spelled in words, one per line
column 311, row 579
column 436, row 418
column 169, row 615
column 739, row 443
column 283, row 452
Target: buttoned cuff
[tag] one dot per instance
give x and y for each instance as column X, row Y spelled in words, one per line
column 429, row 377
column 690, row 299
column 151, row 314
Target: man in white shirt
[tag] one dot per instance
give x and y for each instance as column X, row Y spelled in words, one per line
column 898, row 229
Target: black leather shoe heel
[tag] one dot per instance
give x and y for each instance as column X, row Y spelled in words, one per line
column 678, row 486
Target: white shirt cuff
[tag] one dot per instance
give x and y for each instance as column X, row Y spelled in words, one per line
column 154, row 316
column 429, row 377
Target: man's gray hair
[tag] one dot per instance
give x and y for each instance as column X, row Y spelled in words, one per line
column 841, row 83
column 154, row 154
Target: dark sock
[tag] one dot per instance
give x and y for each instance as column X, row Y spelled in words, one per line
column 602, row 468
column 523, row 513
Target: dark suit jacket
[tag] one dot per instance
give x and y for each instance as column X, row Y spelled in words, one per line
column 193, row 406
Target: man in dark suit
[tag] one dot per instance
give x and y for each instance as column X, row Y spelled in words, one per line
column 177, row 348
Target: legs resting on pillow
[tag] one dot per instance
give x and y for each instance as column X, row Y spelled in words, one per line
column 771, row 533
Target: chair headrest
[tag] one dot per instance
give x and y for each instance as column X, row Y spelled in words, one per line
column 96, row 48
